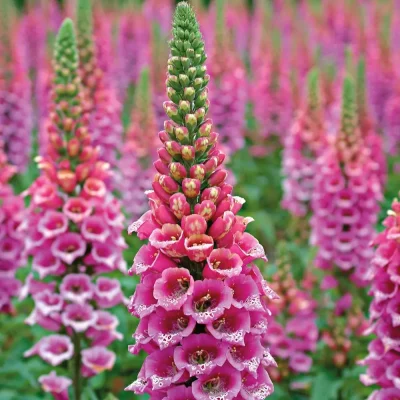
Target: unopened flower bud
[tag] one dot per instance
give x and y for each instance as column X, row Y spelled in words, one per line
column 168, row 184
column 189, row 93
column 82, row 171
column 172, row 95
column 206, row 209
column 211, row 193
column 67, row 180
column 201, row 145
column 169, row 127
column 188, row 153
column 211, row 165
column 183, row 80
column 163, row 136
column 205, row 128
column 191, row 187
column 192, row 71
column 161, row 167
column 181, row 133
column 164, row 155
column 184, row 106
column 217, row 177
column 197, row 172
column 191, row 122
column 177, row 171
column 73, row 147
column 173, row 148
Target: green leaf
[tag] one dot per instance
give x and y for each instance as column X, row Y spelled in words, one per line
column 326, row 386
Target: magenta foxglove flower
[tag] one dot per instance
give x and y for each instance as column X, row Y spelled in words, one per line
column 139, row 151
column 271, row 92
column 306, row 140
column 228, row 88
column 11, row 238
column 73, row 230
column 16, row 114
column 56, row 385
column 101, row 103
column 292, row 334
column 383, row 360
column 133, row 47
column 202, row 304
column 54, row 349
column 345, row 200
column 368, row 127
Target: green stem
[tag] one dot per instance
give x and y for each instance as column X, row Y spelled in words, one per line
column 77, row 361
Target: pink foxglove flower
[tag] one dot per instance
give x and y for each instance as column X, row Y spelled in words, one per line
column 11, row 238
column 345, row 200
column 305, row 142
column 368, row 127
column 73, row 234
column 56, row 385
column 271, row 90
column 16, row 114
column 133, row 47
column 383, row 360
column 345, row 207
column 139, row 151
column 101, row 103
column 292, row 334
column 228, row 88
column 200, row 300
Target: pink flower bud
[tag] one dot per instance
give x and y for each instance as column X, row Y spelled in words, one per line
column 212, row 193
column 173, row 148
column 190, row 121
column 168, row 184
column 169, row 126
column 67, row 180
column 197, row 172
column 205, row 128
column 211, row 164
column 193, row 225
column 161, row 167
column 179, row 205
column 201, row 145
column 160, row 192
column 191, row 187
column 188, row 153
column 73, row 147
column 181, row 133
column 163, row 136
column 218, row 177
column 206, row 209
column 164, row 155
column 177, row 171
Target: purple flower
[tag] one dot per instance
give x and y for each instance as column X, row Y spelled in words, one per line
column 231, row 326
column 96, row 360
column 173, row 288
column 77, row 288
column 208, row 301
column 53, row 349
column 53, row 224
column 222, row 382
column 199, row 354
column 78, row 316
column 68, row 247
column 45, row 263
column 161, row 370
column 169, row 327
column 107, row 292
column 56, row 385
